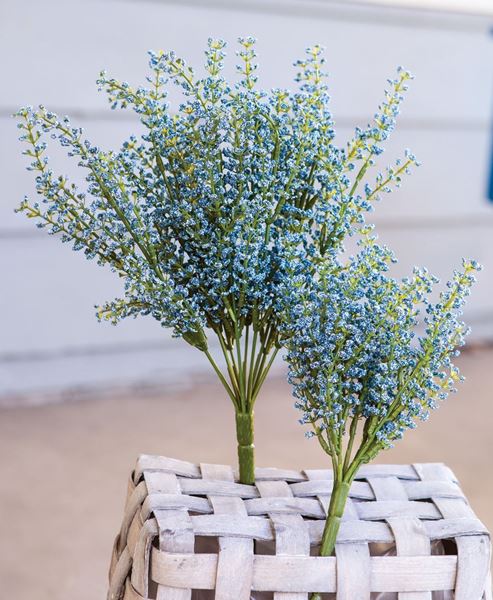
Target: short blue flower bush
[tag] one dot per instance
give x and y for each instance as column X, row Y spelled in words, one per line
column 368, row 355
column 204, row 215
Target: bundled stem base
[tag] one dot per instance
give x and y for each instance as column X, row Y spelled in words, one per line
column 246, row 447
column 338, row 498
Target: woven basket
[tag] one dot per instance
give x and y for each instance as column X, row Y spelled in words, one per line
column 407, row 533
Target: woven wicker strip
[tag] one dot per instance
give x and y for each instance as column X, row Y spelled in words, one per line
column 188, row 528
column 235, row 553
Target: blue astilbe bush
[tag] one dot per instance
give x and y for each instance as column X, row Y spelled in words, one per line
column 201, row 214
column 369, row 355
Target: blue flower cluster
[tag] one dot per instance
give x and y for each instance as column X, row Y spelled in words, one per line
column 196, row 216
column 368, row 351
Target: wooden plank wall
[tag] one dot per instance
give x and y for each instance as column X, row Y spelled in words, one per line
column 51, row 52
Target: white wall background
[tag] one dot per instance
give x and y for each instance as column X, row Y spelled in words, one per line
column 51, row 53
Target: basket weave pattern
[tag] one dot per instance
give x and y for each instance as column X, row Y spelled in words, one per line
column 262, row 536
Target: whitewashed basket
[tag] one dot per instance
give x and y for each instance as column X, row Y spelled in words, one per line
column 191, row 532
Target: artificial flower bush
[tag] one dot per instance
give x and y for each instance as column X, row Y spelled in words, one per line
column 202, row 214
column 361, row 368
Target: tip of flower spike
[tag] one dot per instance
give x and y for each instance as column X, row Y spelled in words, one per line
column 412, row 157
column 24, row 205
column 104, row 313
column 156, row 54
column 315, row 50
column 216, row 43
column 471, row 265
column 247, row 41
column 24, row 112
column 404, row 73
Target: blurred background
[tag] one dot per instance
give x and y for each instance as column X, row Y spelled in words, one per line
column 80, row 400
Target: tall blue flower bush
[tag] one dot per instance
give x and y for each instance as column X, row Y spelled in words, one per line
column 202, row 215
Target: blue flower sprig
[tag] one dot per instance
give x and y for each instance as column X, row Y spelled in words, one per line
column 369, row 355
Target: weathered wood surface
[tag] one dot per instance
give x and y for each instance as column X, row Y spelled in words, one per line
column 191, row 527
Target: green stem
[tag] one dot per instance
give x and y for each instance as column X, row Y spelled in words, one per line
column 229, row 365
column 252, row 358
column 338, row 498
column 240, row 369
column 222, row 379
column 263, row 376
column 352, row 434
column 246, row 447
